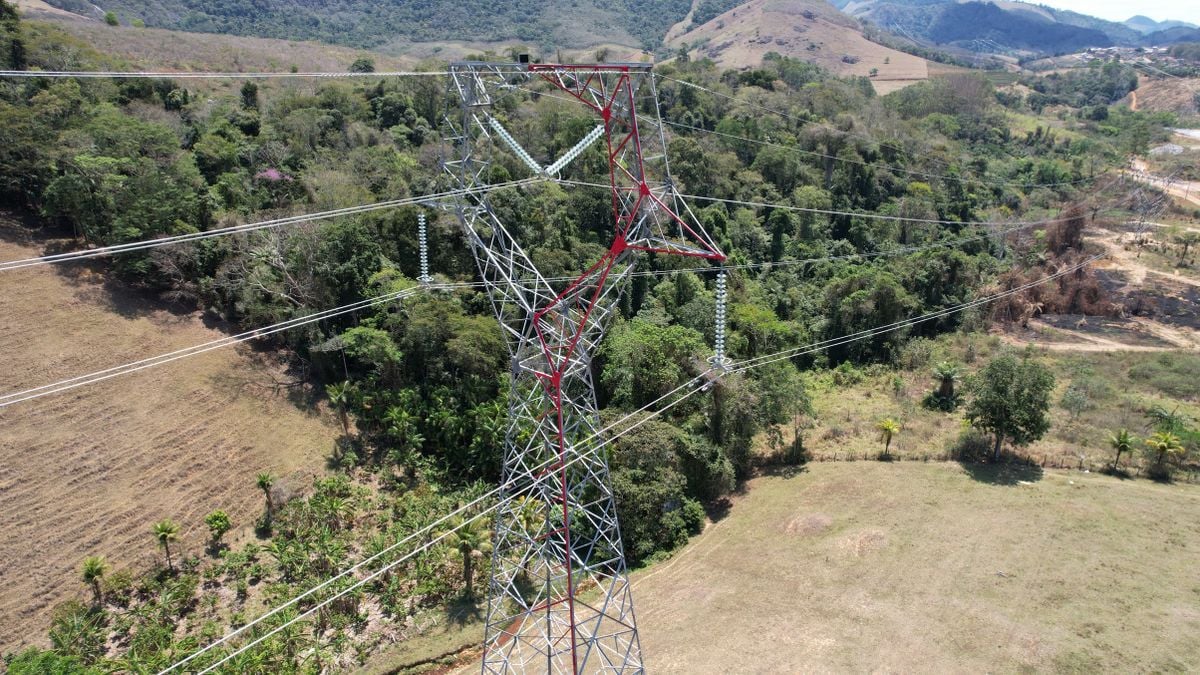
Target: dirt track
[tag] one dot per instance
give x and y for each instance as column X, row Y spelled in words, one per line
column 88, row 471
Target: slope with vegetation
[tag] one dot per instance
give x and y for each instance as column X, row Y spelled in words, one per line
column 810, row 31
column 418, row 387
column 994, row 26
column 359, row 23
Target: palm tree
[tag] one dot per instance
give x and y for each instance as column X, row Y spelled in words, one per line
column 265, row 481
column 1122, row 442
column 1163, row 444
column 166, row 531
column 946, row 374
column 472, row 540
column 339, row 397
column 887, row 429
column 1186, row 240
column 93, row 571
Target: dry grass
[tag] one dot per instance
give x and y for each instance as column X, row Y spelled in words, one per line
column 87, row 471
column 166, row 50
column 927, row 568
column 1122, row 384
column 1164, row 94
column 740, row 38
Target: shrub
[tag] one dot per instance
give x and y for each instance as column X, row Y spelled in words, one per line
column 110, row 18
column 693, row 516
column 915, row 354
column 846, row 374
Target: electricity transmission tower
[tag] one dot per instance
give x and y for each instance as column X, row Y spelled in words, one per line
column 559, row 599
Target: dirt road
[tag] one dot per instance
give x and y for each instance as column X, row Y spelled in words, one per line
column 1188, row 191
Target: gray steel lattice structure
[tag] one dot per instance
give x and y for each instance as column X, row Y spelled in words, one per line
column 559, row 598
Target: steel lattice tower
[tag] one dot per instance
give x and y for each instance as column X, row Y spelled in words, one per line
column 559, row 598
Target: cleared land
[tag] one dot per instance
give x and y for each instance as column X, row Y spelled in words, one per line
column 809, row 31
column 1156, row 94
column 166, row 50
column 873, row 567
column 88, row 471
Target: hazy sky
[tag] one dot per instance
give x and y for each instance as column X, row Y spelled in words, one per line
column 1119, row 10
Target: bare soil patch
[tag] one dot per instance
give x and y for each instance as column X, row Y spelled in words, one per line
column 88, row 471
column 809, row 524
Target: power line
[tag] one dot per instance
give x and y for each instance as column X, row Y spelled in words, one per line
column 835, row 212
column 115, row 371
column 781, row 113
column 98, row 376
column 864, row 334
column 861, row 162
column 81, row 380
column 270, row 75
column 737, row 367
column 142, row 74
column 699, row 379
column 835, row 158
column 251, row 227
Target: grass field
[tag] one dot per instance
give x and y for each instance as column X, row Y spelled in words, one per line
column 88, row 471
column 1121, row 384
column 909, row 567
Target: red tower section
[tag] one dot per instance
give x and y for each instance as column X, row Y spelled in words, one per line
column 559, row 598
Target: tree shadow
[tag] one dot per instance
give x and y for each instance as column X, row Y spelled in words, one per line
column 1014, row 471
column 464, row 610
column 783, row 470
column 719, row 509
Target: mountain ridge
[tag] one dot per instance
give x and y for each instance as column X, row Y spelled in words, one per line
column 1008, row 25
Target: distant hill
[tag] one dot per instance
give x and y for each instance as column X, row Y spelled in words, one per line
column 809, row 30
column 380, row 23
column 1007, row 26
column 968, row 22
column 1173, row 36
column 1145, row 25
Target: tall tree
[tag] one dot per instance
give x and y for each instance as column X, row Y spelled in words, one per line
column 1011, row 399
column 473, row 541
column 94, row 568
column 1163, row 445
column 887, row 429
column 165, row 532
column 339, row 398
column 1122, row 442
column 265, row 481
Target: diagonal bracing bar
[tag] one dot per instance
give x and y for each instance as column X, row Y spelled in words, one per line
column 559, row 598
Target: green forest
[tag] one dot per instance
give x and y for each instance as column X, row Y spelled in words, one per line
column 420, row 386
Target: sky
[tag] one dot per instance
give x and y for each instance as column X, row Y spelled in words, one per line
column 1119, row 10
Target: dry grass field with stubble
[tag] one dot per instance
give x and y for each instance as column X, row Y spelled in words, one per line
column 914, row 567
column 809, row 31
column 88, row 471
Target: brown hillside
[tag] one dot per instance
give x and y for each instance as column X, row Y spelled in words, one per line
column 810, row 30
column 1164, row 95
column 166, row 50
column 88, row 471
